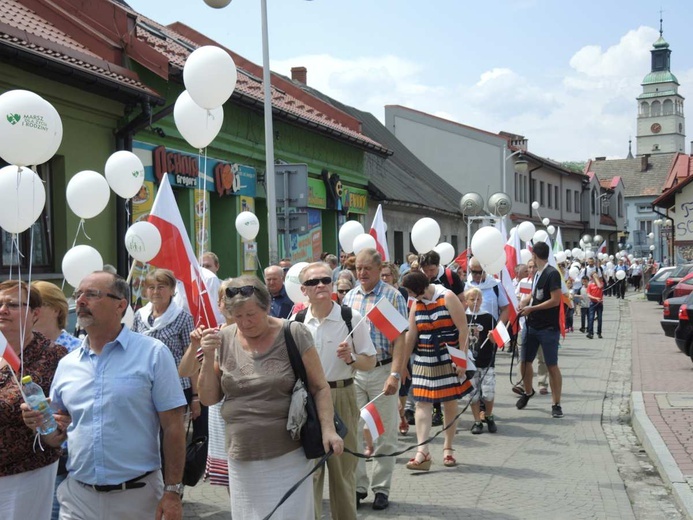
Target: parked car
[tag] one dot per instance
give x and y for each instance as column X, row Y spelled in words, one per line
column 676, row 276
column 683, row 335
column 654, row 288
column 670, row 315
column 684, row 287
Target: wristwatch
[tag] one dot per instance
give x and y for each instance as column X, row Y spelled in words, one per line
column 353, row 359
column 396, row 375
column 175, row 488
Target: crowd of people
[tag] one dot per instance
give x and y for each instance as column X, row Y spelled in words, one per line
column 125, row 390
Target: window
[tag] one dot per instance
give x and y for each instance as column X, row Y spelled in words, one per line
column 42, row 256
column 533, row 191
column 549, row 193
column 525, row 191
column 453, row 241
column 593, row 201
column 577, row 202
column 399, row 248
column 541, row 193
column 568, row 201
column 517, row 186
column 620, row 205
column 556, row 198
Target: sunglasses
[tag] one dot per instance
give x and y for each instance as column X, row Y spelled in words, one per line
column 325, row 280
column 246, row 290
column 476, row 272
column 343, row 291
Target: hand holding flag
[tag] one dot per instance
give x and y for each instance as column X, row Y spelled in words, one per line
column 371, row 417
column 387, row 319
column 500, row 335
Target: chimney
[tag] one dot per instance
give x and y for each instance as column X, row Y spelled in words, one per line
column 299, row 74
column 600, row 158
column 644, row 162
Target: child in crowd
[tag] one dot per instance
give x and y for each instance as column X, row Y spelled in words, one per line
column 584, row 300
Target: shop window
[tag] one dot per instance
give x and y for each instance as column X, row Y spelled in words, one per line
column 41, row 259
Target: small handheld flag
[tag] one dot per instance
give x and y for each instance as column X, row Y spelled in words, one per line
column 9, row 355
column 525, row 287
column 387, row 319
column 371, row 417
column 500, row 334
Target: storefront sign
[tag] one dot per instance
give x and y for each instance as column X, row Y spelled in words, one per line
column 317, row 195
column 234, row 179
column 683, row 217
column 355, row 200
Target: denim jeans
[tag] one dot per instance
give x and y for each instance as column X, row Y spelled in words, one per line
column 595, row 308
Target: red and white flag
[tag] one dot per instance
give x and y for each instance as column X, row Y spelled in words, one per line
column 377, row 231
column 509, row 288
column 512, row 252
column 371, row 417
column 177, row 254
column 460, row 359
column 500, row 334
column 525, row 287
column 9, row 355
column 387, row 319
column 602, row 248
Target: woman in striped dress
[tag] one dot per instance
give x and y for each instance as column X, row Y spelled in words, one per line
column 436, row 322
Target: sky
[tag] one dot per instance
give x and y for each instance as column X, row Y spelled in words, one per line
column 563, row 74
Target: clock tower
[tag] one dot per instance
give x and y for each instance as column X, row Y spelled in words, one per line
column 661, row 123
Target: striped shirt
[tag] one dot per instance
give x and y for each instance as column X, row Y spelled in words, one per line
column 363, row 302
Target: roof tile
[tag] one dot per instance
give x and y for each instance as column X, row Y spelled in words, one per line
column 636, row 183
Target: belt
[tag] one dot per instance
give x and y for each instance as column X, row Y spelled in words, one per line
column 130, row 484
column 341, row 384
column 383, row 362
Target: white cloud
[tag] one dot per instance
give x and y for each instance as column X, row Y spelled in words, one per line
column 589, row 111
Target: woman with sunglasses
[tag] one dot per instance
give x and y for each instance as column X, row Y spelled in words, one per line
column 246, row 364
column 343, row 286
column 437, row 321
column 27, row 475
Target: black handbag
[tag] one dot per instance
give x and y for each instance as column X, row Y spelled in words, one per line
column 195, row 460
column 311, row 432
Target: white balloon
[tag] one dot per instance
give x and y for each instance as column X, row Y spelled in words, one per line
column 347, row 233
column 425, row 234
column 582, row 244
column 22, row 198
column 143, row 241
column 540, row 236
column 197, row 125
column 535, row 205
column 589, row 254
column 525, row 255
column 574, row 272
column 363, row 241
column 576, row 265
column 598, row 239
column 247, row 225
column 568, row 253
column 87, row 194
column 631, row 257
column 546, row 221
column 611, row 257
column 446, row 252
column 526, row 231
column 560, row 257
column 292, row 284
column 210, row 76
column 129, row 317
column 494, row 267
column 581, row 255
column 550, row 230
column 488, row 245
column 609, row 265
column 576, row 251
column 125, row 173
column 79, row 262
column 28, row 128
column 620, row 274
column 652, row 247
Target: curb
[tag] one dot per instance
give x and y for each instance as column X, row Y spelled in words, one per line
column 657, row 450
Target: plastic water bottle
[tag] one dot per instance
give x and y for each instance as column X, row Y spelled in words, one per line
column 37, row 400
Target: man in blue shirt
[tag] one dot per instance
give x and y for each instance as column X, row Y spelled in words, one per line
column 281, row 303
column 116, row 392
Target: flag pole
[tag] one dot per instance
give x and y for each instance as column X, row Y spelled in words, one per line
column 373, row 400
column 351, row 332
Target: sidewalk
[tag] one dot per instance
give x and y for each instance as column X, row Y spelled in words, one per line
column 535, row 466
column 662, row 400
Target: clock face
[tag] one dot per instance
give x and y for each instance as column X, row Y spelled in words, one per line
column 656, row 128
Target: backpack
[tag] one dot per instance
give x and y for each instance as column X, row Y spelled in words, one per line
column 448, row 275
column 346, row 316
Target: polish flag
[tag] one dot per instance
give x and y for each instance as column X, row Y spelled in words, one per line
column 509, row 288
column 602, row 248
column 461, row 260
column 177, row 254
column 9, row 355
column 377, row 231
column 371, row 417
column 525, row 287
column 461, row 360
column 500, row 334
column 512, row 252
column 387, row 319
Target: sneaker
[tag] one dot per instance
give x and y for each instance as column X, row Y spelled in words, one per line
column 477, row 428
column 582, row 329
column 590, row 336
column 599, row 336
column 491, row 424
column 524, row 399
column 556, row 411
column 409, row 416
column 437, row 419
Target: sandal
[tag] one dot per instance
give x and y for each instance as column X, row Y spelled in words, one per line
column 448, row 460
column 403, row 426
column 420, row 465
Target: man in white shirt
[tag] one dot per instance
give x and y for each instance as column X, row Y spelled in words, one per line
column 344, row 345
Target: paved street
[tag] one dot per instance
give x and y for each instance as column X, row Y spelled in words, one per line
column 587, row 465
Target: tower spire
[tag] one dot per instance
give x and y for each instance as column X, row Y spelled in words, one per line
column 630, row 151
column 661, row 30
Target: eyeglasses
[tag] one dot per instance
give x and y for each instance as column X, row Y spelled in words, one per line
column 245, row 291
column 325, row 280
column 476, row 272
column 94, row 294
column 11, row 305
column 343, row 291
